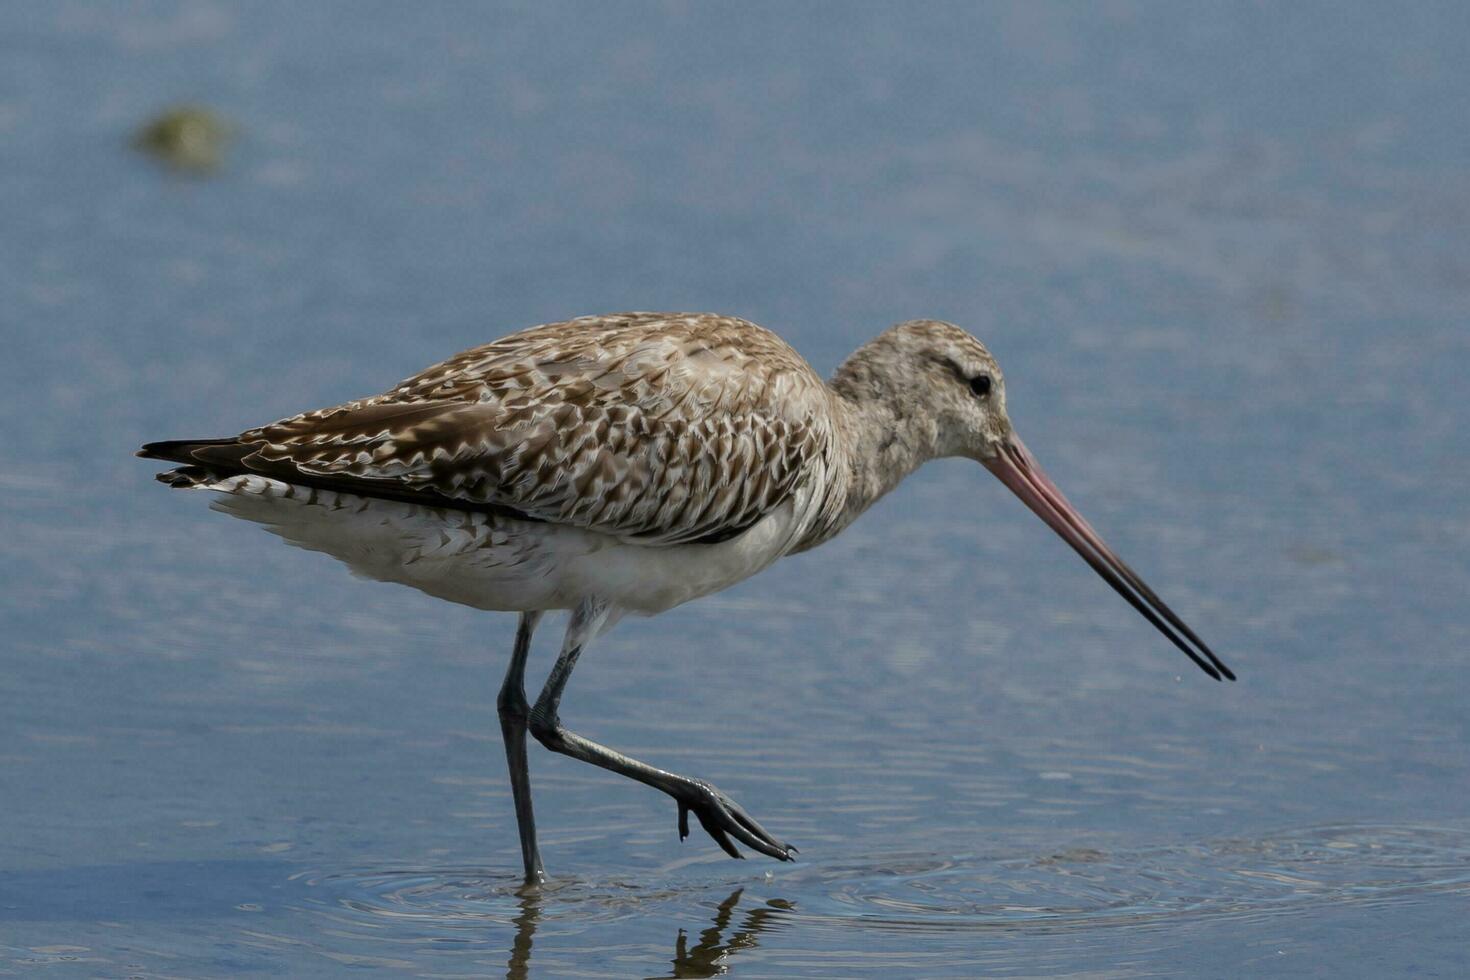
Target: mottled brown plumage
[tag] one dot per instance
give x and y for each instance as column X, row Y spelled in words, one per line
column 688, row 432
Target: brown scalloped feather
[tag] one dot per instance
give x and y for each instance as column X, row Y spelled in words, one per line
column 664, row 428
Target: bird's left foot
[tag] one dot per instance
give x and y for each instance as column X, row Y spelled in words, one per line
column 723, row 818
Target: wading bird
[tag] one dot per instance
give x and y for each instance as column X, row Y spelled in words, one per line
column 626, row 464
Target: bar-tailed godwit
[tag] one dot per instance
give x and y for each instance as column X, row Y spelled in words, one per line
column 626, row 464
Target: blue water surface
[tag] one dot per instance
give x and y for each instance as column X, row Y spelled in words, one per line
column 1223, row 253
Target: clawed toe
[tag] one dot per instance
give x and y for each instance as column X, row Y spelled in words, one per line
column 723, row 818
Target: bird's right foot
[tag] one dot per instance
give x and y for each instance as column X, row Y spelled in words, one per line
column 723, row 818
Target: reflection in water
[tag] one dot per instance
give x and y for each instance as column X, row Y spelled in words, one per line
column 429, row 916
column 707, row 958
column 519, row 965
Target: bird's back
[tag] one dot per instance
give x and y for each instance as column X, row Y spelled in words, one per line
column 654, row 428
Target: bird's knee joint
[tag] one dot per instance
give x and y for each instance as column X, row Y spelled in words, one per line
column 546, row 728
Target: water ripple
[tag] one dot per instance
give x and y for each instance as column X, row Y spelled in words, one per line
column 1084, row 888
column 1076, row 888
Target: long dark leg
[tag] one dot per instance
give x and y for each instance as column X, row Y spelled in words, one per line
column 514, row 715
column 720, row 816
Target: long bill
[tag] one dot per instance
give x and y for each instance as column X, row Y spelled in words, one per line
column 1017, row 468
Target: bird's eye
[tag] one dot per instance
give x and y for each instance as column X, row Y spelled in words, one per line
column 980, row 385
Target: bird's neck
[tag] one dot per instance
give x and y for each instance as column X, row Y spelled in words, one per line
column 882, row 440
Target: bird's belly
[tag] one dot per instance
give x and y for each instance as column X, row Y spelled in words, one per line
column 493, row 562
column 651, row 578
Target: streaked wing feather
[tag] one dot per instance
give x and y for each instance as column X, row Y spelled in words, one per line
column 658, row 427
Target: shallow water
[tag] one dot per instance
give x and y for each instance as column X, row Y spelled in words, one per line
column 1220, row 252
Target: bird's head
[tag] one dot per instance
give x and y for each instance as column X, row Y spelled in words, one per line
column 943, row 384
column 940, row 381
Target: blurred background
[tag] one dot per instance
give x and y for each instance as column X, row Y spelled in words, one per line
column 1221, row 251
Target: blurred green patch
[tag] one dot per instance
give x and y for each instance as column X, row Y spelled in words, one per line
column 186, row 137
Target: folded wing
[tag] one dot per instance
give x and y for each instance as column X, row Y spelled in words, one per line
column 664, row 428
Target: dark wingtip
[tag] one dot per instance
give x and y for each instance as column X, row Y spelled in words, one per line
column 174, row 450
column 178, row 450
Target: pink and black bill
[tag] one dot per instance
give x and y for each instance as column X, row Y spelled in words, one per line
column 1017, row 468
